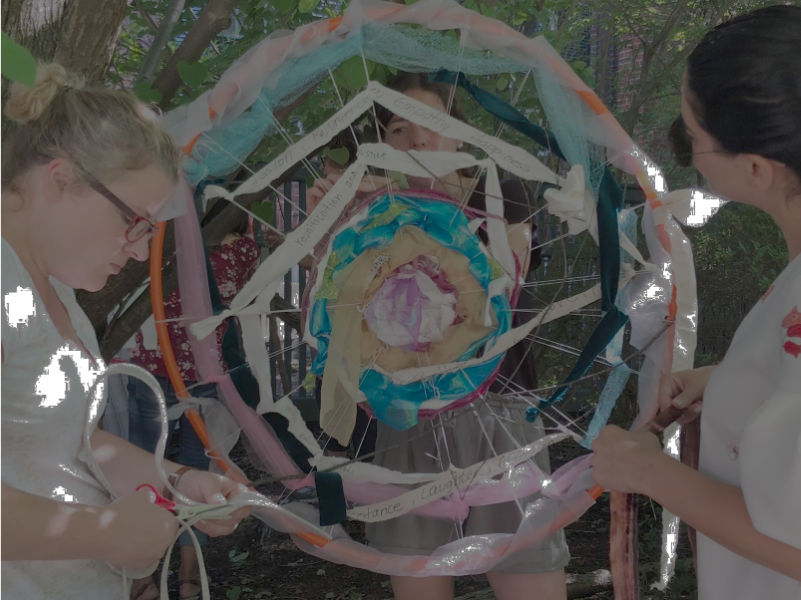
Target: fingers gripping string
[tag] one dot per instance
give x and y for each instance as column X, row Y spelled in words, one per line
column 186, row 511
column 188, row 516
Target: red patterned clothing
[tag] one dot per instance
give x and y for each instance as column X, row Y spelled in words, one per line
column 233, row 265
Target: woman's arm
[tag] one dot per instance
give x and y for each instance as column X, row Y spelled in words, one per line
column 635, row 463
column 132, row 532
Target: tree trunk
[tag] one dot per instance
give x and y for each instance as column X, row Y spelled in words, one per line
column 35, row 25
column 78, row 34
column 88, row 36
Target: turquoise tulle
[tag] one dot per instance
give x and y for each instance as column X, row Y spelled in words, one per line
column 402, row 47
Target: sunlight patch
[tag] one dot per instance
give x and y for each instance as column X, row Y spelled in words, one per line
column 19, row 306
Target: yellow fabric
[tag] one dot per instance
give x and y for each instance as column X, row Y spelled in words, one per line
column 358, row 283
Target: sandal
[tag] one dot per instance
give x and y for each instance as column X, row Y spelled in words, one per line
column 144, row 589
column 194, row 585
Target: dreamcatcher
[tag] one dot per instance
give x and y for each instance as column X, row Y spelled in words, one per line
column 411, row 294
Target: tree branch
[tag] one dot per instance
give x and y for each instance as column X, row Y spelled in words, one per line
column 154, row 54
column 145, row 15
column 677, row 13
column 214, row 18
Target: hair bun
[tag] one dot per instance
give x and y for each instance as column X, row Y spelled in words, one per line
column 26, row 104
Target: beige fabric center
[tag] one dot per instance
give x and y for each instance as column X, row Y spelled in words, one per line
column 358, row 283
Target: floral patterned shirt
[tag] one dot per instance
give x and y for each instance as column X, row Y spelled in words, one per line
column 233, row 265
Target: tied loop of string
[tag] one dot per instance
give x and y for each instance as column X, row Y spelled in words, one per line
column 188, row 512
column 197, row 402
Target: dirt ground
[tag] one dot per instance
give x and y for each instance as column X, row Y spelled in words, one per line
column 261, row 564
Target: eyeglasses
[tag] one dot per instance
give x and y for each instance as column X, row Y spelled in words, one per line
column 682, row 144
column 138, row 226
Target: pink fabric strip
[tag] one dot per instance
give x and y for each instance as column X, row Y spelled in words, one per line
column 196, row 301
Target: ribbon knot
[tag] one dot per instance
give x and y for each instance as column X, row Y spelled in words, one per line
column 572, row 203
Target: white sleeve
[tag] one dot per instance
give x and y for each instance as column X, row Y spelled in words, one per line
column 770, row 449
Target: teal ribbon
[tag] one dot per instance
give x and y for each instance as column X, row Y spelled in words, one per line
column 606, row 402
column 610, row 201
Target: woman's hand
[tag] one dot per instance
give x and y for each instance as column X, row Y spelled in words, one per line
column 210, row 488
column 135, row 532
column 684, row 390
column 624, row 460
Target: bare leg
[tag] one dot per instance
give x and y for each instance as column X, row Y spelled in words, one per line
column 422, row 588
column 188, row 573
column 550, row 585
column 144, row 589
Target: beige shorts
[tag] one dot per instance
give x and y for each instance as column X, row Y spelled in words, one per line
column 464, row 437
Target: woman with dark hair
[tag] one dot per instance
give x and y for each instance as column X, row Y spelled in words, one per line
column 536, row 570
column 741, row 127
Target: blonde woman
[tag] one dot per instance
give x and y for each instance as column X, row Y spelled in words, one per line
column 85, row 175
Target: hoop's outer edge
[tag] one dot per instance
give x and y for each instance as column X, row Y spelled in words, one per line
column 162, row 333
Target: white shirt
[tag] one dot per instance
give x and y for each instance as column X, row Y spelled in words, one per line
column 45, row 381
column 751, row 438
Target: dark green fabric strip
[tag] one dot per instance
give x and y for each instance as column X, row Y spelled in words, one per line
column 610, row 195
column 330, row 497
column 610, row 201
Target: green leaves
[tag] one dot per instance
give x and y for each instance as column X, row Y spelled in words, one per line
column 233, row 593
column 192, row 74
column 339, row 155
column 18, row 63
column 306, row 6
column 284, row 6
column 147, row 93
column 238, row 557
column 350, row 74
column 309, row 383
column 265, row 211
column 502, row 83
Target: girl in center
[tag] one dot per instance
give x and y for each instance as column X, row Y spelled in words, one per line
column 467, row 437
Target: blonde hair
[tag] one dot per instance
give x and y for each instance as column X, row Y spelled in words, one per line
column 102, row 131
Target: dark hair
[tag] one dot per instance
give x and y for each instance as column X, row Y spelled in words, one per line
column 405, row 81
column 680, row 143
column 745, row 83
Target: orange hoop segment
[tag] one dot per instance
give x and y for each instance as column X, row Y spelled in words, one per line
column 157, row 300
